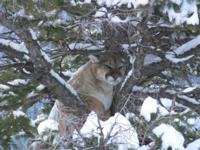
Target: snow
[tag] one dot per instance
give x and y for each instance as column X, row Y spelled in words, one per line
column 171, row 57
column 145, row 89
column 194, row 80
column 67, row 73
column 46, row 57
column 3, row 59
column 186, row 8
column 116, row 19
column 26, row 71
column 162, row 110
column 149, row 107
column 118, row 128
column 189, row 99
column 87, row 1
column 40, row 87
column 10, row 93
column 146, row 147
column 101, row 12
column 4, row 87
column 87, row 46
column 17, row 82
column 98, row 44
column 150, row 58
column 197, row 123
column 18, row 47
column 178, row 2
column 19, row 141
column 18, row 113
column 63, row 82
column 129, row 74
column 31, row 94
column 47, row 125
column 51, row 13
column 54, row 23
column 189, row 89
column 129, row 3
column 170, row 137
column 166, row 102
column 65, row 16
column 33, row 34
column 22, row 13
column 191, row 121
column 167, row 73
column 195, row 145
column 26, row 57
column 40, row 117
column 3, row 29
column 188, row 46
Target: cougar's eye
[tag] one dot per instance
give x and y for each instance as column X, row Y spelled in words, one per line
column 107, row 66
column 120, row 67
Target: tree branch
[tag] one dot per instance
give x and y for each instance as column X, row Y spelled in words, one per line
column 41, row 66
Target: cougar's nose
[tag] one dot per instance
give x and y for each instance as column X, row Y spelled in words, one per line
column 115, row 76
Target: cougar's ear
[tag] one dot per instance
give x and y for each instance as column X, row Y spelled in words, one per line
column 94, row 59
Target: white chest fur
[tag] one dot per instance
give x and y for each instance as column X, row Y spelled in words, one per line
column 105, row 95
column 106, row 100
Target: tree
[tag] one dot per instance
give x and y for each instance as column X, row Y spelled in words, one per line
column 40, row 40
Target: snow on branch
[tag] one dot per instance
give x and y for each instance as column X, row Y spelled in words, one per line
column 148, row 107
column 189, row 99
column 13, row 53
column 4, row 87
column 65, row 84
column 188, row 46
column 190, row 89
column 170, row 137
column 171, row 57
column 18, row 113
column 47, row 125
column 33, row 34
column 42, row 65
column 87, row 46
column 182, row 16
column 18, row 82
column 111, row 3
column 18, row 47
column 46, row 57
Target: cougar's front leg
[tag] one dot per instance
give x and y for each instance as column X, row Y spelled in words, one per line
column 95, row 105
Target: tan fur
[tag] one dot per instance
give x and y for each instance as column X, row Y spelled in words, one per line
column 94, row 82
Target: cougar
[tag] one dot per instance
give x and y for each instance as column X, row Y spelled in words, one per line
column 94, row 81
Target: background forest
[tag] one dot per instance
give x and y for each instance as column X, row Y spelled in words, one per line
column 159, row 97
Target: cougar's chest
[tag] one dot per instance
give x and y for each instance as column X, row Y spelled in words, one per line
column 105, row 96
column 106, row 100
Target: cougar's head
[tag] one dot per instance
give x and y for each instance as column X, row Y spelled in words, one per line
column 110, row 67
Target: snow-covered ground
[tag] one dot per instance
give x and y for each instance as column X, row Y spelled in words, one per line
column 123, row 133
column 118, row 128
column 47, row 125
column 170, row 137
